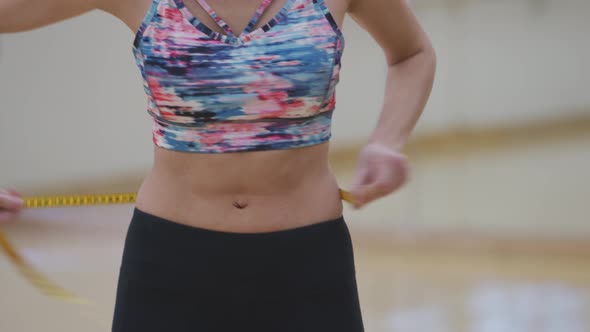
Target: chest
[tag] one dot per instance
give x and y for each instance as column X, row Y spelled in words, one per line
column 237, row 14
column 286, row 67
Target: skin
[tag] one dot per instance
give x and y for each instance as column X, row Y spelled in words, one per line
column 278, row 189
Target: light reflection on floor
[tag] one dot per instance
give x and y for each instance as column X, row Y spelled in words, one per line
column 422, row 291
column 491, row 307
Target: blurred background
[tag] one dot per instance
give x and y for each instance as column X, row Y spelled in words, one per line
column 492, row 233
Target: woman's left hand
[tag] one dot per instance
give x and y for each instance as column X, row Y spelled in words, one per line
column 380, row 171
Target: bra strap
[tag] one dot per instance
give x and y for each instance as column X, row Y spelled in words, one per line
column 218, row 20
column 261, row 9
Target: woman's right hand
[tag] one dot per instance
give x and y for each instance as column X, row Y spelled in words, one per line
column 10, row 205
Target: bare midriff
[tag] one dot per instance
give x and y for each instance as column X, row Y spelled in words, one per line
column 245, row 192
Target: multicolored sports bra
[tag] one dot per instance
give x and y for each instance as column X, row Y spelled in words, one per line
column 267, row 88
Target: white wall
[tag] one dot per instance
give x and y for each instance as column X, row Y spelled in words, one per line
column 72, row 104
column 499, row 62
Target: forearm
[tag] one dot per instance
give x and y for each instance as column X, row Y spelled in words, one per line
column 407, row 88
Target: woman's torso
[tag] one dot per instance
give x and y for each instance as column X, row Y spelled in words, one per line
column 240, row 191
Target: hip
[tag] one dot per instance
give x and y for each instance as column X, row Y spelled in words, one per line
column 182, row 278
column 211, row 262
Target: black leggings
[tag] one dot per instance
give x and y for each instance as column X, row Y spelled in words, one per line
column 179, row 278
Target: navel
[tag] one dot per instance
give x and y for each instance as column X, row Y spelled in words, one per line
column 240, row 204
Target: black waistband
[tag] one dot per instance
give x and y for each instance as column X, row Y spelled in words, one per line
column 164, row 252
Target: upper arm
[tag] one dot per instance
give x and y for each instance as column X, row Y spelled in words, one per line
column 393, row 25
column 23, row 15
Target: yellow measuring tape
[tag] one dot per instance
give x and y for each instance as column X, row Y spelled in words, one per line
column 97, row 199
column 76, row 200
column 36, row 278
column 33, row 275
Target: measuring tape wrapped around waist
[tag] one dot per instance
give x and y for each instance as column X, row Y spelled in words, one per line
column 99, row 199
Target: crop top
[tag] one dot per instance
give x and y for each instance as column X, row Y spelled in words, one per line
column 267, row 88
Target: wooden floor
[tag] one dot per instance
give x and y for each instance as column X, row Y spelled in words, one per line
column 401, row 290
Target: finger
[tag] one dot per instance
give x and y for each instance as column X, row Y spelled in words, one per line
column 362, row 176
column 384, row 181
column 372, row 191
column 9, row 202
column 14, row 192
column 375, row 191
column 359, row 196
column 357, row 189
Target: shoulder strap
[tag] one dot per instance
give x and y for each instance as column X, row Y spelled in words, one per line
column 218, row 20
column 261, row 9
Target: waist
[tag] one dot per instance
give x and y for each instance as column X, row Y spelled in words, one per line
column 242, row 192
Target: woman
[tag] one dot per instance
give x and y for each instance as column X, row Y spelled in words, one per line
column 239, row 223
